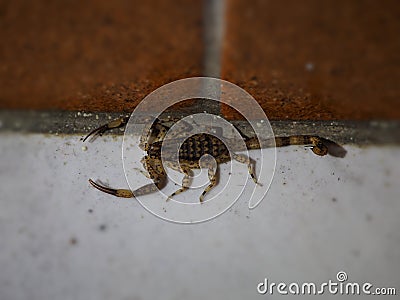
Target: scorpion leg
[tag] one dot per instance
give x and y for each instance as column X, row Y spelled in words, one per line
column 213, row 177
column 250, row 164
column 113, row 124
column 187, row 178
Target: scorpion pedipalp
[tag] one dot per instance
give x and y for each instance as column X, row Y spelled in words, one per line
column 102, row 129
column 123, row 193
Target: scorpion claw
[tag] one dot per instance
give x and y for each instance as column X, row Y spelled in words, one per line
column 115, row 192
column 97, row 131
column 113, row 124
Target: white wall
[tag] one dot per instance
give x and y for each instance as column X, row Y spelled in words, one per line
column 321, row 216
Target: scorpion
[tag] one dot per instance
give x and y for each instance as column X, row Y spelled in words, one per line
column 195, row 147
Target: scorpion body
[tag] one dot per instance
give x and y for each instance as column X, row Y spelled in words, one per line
column 194, row 153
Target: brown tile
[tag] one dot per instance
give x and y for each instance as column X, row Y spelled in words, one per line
column 312, row 59
column 95, row 55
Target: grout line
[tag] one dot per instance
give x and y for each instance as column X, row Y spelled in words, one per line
column 81, row 123
column 213, row 20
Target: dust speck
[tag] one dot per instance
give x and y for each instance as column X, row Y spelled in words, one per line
column 309, row 66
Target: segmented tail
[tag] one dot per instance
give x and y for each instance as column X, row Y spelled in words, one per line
column 318, row 145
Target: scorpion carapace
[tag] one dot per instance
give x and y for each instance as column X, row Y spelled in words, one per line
column 193, row 148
